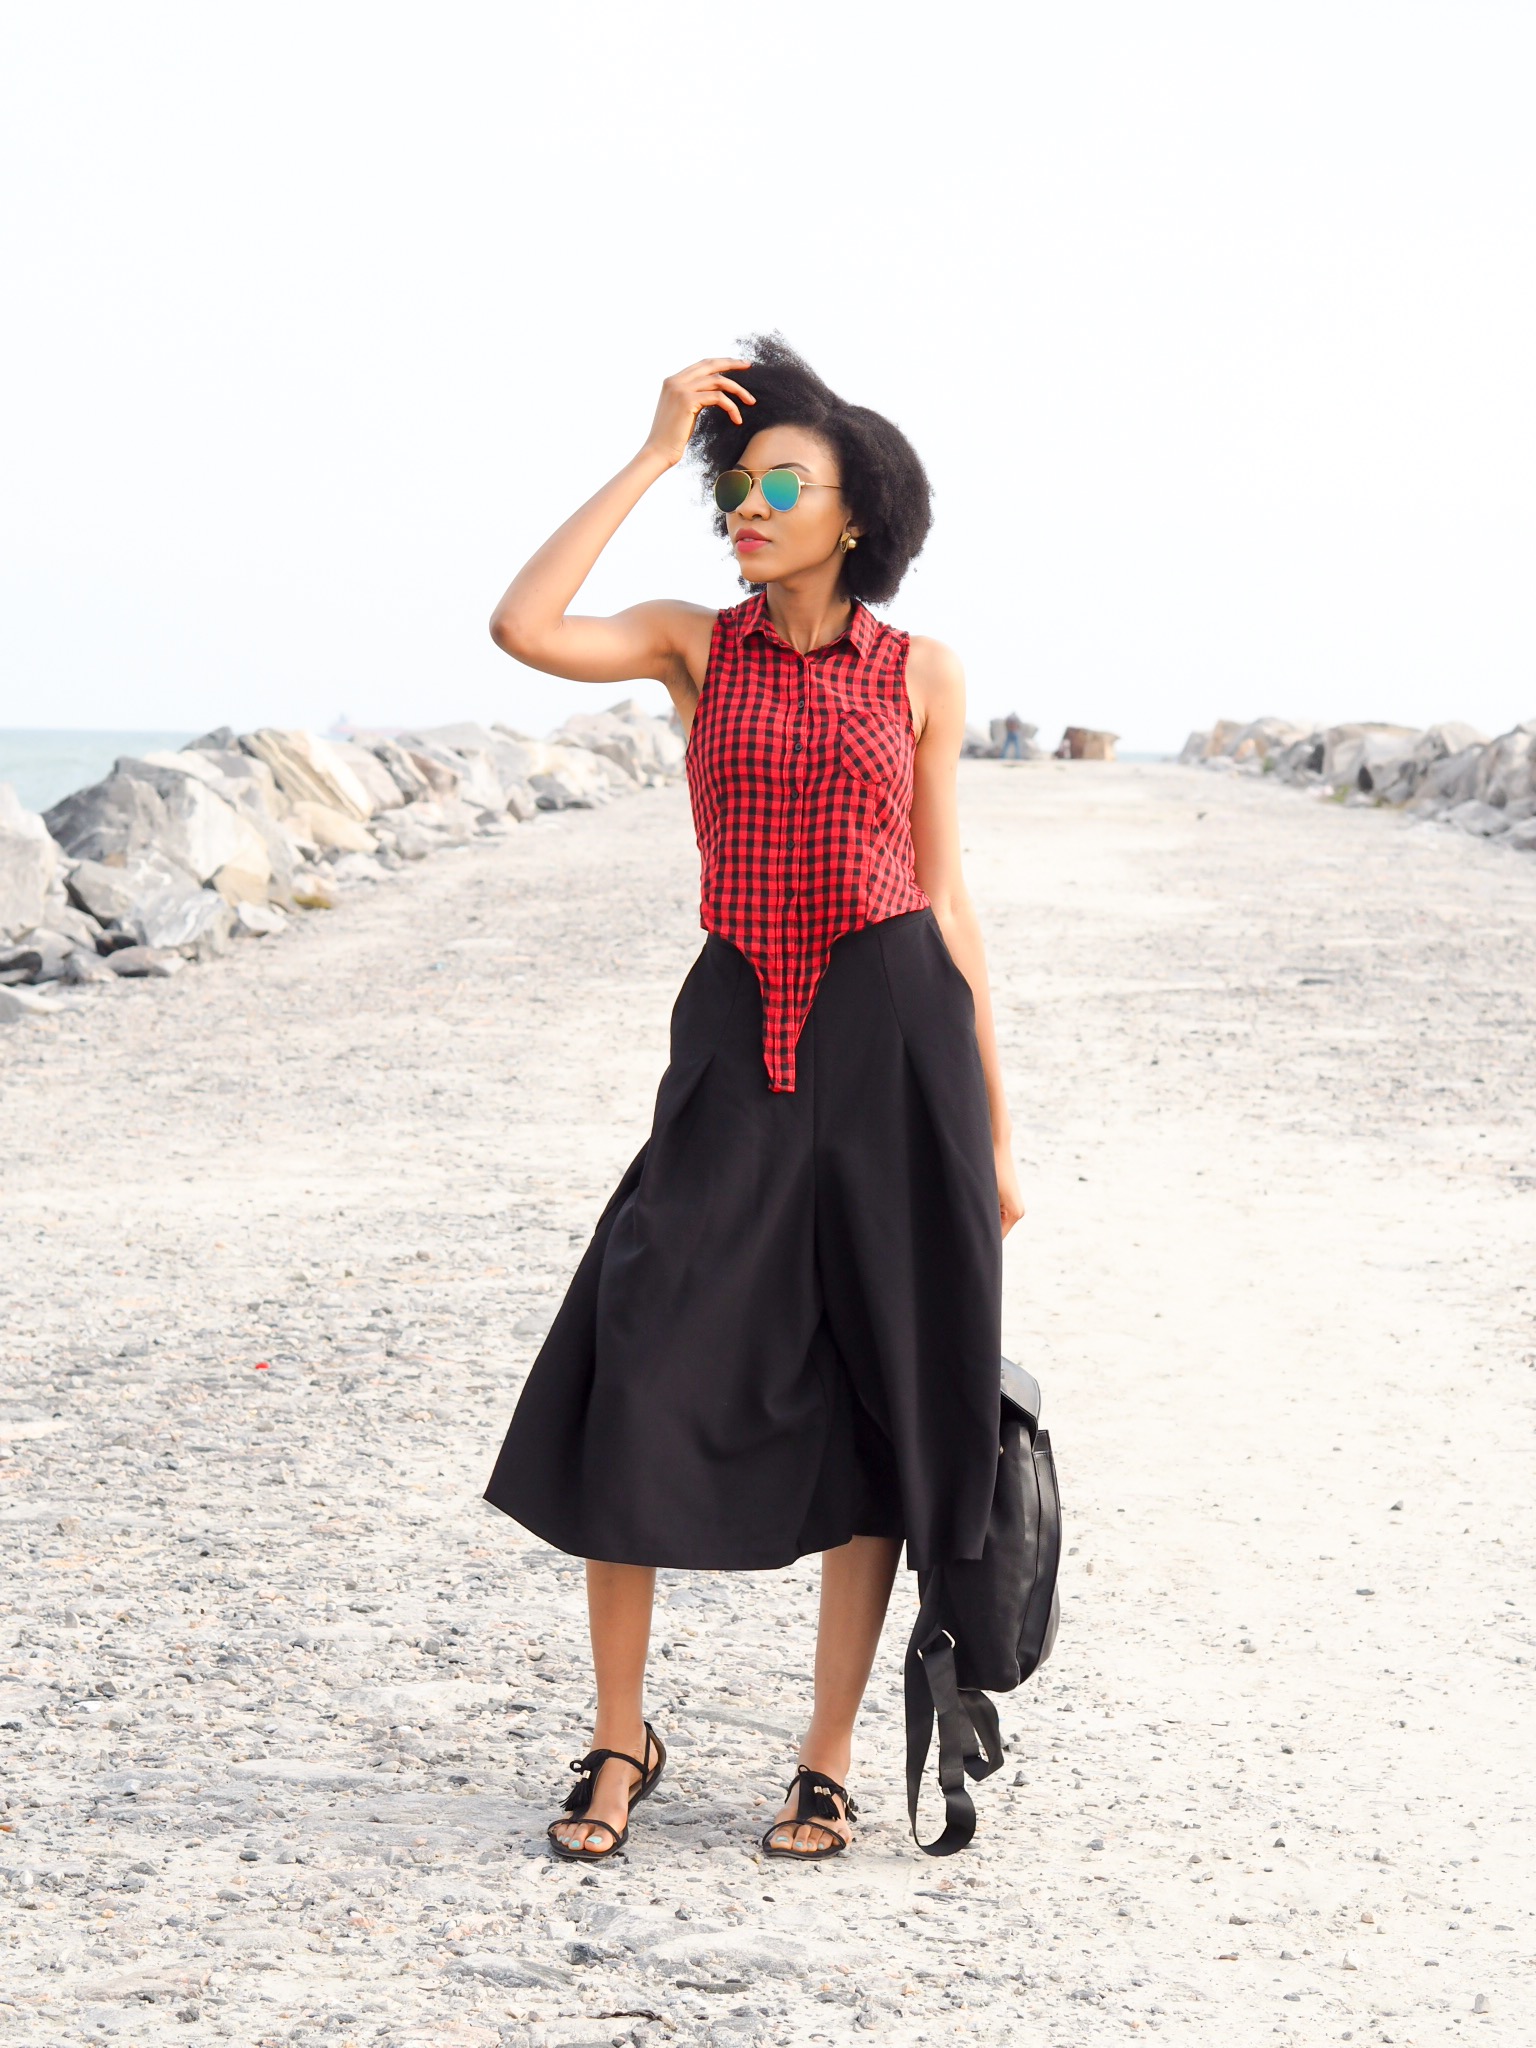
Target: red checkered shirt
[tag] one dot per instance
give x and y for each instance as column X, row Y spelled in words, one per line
column 800, row 773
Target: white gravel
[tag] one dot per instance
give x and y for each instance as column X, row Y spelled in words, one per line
column 285, row 1706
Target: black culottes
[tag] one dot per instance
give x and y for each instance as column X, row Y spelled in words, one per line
column 786, row 1328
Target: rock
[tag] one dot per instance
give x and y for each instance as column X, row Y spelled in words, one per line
column 307, row 769
column 522, row 801
column 1449, row 780
column 312, row 891
column 1221, row 735
column 557, row 792
column 358, row 867
column 640, row 746
column 384, row 793
column 140, row 961
column 1522, row 836
column 473, row 767
column 330, row 829
column 202, row 829
column 29, row 863
column 402, row 770
column 1472, row 816
column 42, row 958
column 153, row 899
column 22, row 963
column 245, row 881
column 17, row 1005
column 1264, row 737
column 1506, row 772
column 442, row 822
column 1349, row 748
column 82, row 967
column 1195, row 748
column 261, row 920
column 112, row 820
column 1083, row 743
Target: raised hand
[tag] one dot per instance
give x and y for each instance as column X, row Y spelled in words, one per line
column 685, row 395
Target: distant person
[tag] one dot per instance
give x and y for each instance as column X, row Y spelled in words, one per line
column 1013, row 738
column 784, row 1334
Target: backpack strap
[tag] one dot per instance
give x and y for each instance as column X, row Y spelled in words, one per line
column 970, row 1738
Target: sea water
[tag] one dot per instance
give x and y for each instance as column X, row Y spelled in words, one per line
column 43, row 766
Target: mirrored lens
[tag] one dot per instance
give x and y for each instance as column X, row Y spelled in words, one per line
column 731, row 488
column 781, row 487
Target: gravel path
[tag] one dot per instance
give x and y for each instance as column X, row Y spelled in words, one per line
column 285, row 1706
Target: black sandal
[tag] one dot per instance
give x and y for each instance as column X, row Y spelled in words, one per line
column 817, row 1792
column 579, row 1798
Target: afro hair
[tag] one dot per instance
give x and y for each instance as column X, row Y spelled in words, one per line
column 883, row 482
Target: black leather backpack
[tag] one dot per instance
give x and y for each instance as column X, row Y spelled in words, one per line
column 985, row 1625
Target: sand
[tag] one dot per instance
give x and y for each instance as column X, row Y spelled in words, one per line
column 286, row 1706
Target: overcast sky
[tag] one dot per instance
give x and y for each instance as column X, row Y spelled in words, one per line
column 1214, row 325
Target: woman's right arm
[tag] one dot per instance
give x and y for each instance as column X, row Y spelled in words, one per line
column 651, row 639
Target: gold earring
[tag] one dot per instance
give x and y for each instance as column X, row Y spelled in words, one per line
column 846, row 543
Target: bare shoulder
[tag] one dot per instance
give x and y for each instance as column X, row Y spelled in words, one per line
column 936, row 684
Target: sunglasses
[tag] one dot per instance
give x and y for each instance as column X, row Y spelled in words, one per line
column 781, row 488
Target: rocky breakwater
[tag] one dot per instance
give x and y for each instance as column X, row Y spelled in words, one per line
column 1450, row 773
column 176, row 857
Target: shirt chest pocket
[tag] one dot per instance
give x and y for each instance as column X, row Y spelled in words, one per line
column 871, row 746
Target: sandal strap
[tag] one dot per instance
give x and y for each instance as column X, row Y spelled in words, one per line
column 593, row 1823
column 579, row 1798
column 817, row 1791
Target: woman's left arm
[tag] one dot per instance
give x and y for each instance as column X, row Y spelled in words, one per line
column 937, row 690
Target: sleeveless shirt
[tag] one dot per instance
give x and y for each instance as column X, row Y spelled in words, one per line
column 800, row 772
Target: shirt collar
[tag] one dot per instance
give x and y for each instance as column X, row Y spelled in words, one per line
column 862, row 628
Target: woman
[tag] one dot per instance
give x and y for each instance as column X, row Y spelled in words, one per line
column 784, row 1334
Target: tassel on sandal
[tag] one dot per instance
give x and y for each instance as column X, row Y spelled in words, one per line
column 579, row 1798
column 817, row 1792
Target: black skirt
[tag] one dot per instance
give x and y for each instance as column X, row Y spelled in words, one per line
column 786, row 1328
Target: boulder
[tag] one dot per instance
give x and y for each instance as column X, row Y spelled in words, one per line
column 202, row 830
column 1262, row 737
column 20, row 963
column 331, row 830
column 1448, row 780
column 153, row 899
column 641, row 746
column 1221, row 735
column 237, row 776
column 1301, row 761
column 1195, row 748
column 1084, row 743
column 1521, row 836
column 1349, row 748
column 113, row 820
column 384, row 793
column 29, row 864
column 83, row 966
column 1472, row 816
column 261, row 920
column 402, row 771
column 474, row 765
column 307, row 769
column 42, row 958
column 138, row 962
column 1505, row 772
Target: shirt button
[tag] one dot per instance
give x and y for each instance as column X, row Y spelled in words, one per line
column 799, row 744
